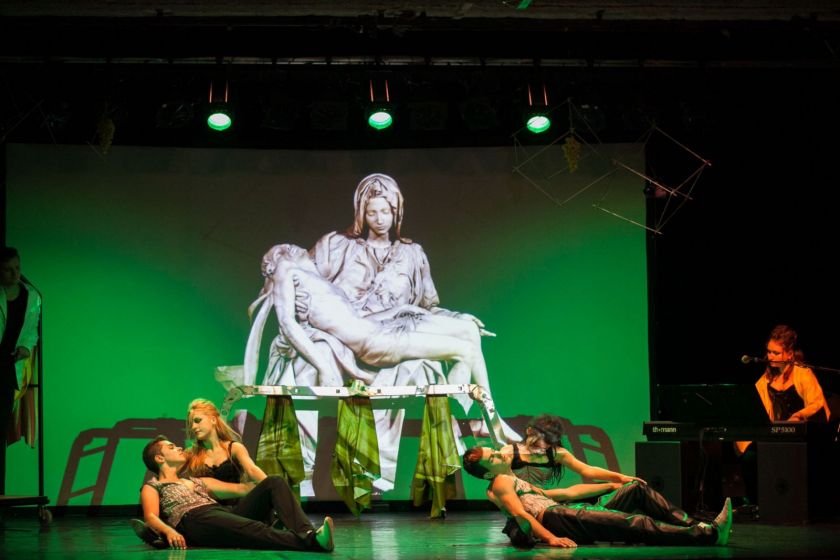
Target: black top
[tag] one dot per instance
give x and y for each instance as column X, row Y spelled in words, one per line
column 546, row 474
column 15, row 314
column 787, row 402
column 227, row 471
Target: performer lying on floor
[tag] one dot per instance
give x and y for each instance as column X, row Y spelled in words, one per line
column 183, row 511
column 380, row 339
column 545, row 515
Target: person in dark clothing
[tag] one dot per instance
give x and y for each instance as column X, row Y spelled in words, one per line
column 20, row 311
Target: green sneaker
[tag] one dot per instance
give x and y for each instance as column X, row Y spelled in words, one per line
column 324, row 535
column 723, row 522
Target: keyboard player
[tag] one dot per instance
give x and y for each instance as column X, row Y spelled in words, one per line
column 788, row 391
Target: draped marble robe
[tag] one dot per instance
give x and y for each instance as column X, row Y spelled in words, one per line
column 374, row 280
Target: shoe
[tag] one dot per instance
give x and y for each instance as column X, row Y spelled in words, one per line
column 147, row 534
column 324, row 535
column 723, row 522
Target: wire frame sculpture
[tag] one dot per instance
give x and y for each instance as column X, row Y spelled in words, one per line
column 575, row 167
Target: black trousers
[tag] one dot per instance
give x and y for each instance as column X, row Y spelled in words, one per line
column 243, row 526
column 635, row 513
column 638, row 497
column 8, row 386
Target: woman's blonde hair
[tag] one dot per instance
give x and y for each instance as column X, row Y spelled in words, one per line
column 198, row 452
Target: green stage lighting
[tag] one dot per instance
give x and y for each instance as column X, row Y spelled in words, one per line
column 536, row 115
column 380, row 111
column 380, row 118
column 538, row 122
column 219, row 113
column 219, row 119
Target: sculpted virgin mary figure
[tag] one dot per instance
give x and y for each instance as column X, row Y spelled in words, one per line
column 378, row 270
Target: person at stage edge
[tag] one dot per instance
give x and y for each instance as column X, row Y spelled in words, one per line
column 547, row 516
column 20, row 311
column 186, row 512
column 789, row 391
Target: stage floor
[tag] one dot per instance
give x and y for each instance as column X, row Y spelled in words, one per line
column 463, row 535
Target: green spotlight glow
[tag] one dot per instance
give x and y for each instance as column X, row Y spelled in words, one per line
column 380, row 119
column 538, row 123
column 219, row 121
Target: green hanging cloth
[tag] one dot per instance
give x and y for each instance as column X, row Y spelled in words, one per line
column 438, row 460
column 355, row 462
column 278, row 452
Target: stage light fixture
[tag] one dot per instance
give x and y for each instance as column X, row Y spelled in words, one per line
column 537, row 118
column 379, row 113
column 220, row 115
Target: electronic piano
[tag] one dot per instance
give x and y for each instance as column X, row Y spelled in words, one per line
column 691, row 431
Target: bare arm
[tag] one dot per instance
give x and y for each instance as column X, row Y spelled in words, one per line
column 243, row 458
column 580, row 491
column 223, row 490
column 505, row 495
column 593, row 473
column 150, row 499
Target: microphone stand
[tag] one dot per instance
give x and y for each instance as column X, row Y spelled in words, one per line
column 44, row 514
column 817, row 368
column 829, row 370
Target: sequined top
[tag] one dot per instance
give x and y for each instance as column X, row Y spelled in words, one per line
column 534, row 502
column 177, row 499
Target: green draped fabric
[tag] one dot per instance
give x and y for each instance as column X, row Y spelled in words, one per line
column 278, row 452
column 438, row 460
column 355, row 462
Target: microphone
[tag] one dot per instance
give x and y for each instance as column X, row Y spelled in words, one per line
column 749, row 359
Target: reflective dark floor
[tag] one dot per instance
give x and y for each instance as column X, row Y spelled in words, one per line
column 462, row 535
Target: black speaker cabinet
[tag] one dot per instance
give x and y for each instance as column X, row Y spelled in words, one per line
column 659, row 463
column 783, row 482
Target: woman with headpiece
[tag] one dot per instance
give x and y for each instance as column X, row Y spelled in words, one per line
column 373, row 264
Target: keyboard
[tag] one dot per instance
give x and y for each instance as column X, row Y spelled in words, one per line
column 685, row 431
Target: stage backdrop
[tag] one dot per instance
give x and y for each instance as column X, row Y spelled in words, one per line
column 147, row 259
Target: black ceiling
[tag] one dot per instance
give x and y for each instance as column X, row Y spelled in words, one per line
column 300, row 73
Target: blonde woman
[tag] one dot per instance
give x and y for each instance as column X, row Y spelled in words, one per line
column 218, row 451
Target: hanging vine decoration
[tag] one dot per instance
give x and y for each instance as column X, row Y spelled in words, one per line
column 571, row 149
